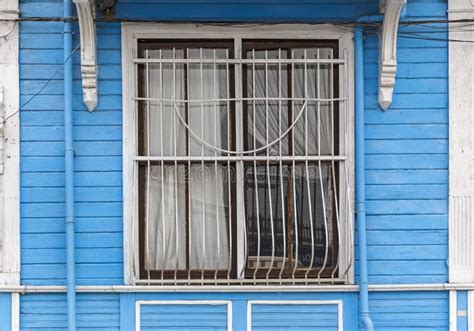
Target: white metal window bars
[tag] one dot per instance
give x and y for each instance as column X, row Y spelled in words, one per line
column 195, row 148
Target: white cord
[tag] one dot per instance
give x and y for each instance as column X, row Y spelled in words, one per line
column 235, row 152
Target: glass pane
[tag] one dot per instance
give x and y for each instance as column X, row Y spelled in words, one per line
column 312, row 81
column 167, row 135
column 266, row 113
column 267, row 215
column 314, row 200
column 209, row 217
column 208, row 113
column 185, row 204
column 165, row 217
column 186, row 223
column 200, row 97
column 301, row 218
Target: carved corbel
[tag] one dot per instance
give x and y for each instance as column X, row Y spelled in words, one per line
column 388, row 51
column 86, row 13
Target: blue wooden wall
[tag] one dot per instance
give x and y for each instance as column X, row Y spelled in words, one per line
column 5, row 311
column 172, row 316
column 98, row 161
column 407, row 154
column 296, row 316
column 49, row 311
column 410, row 311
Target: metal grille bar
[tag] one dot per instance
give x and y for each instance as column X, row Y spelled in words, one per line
column 192, row 168
column 240, row 61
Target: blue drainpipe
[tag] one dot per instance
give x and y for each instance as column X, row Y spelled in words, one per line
column 360, row 166
column 69, row 168
column 360, row 178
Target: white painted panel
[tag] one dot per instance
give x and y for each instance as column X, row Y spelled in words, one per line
column 461, row 145
column 9, row 153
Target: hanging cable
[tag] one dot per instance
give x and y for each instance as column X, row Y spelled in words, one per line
column 42, row 88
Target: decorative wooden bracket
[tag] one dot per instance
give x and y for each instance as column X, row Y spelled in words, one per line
column 388, row 50
column 86, row 13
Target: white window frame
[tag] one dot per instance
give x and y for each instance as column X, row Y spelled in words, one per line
column 9, row 146
column 132, row 32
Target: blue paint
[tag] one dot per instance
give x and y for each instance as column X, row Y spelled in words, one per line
column 168, row 316
column 69, row 170
column 298, row 316
column 462, row 307
column 5, row 311
column 393, row 311
column 405, row 155
column 360, row 178
column 416, row 124
column 127, row 305
column 239, row 310
column 49, row 311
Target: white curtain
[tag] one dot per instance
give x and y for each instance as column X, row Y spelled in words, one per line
column 208, row 233
column 268, row 86
column 166, row 209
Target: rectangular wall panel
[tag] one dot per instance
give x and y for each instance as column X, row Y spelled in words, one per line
column 183, row 315
column 295, row 314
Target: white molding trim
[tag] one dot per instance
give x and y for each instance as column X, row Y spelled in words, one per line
column 86, row 13
column 388, row 51
column 453, row 307
column 131, row 32
column 15, row 312
column 461, row 145
column 10, row 176
column 140, row 303
column 339, row 303
column 234, row 288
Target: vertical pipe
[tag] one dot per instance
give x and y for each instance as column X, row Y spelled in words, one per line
column 360, row 178
column 69, row 168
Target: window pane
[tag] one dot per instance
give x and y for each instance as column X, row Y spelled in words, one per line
column 313, row 199
column 281, row 226
column 312, row 81
column 165, row 220
column 185, row 201
column 166, row 81
column 267, row 112
column 208, row 119
column 267, row 215
column 294, row 235
column 209, row 218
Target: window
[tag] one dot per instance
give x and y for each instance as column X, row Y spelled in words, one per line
column 241, row 167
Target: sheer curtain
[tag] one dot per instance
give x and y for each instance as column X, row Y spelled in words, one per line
column 208, row 225
column 201, row 201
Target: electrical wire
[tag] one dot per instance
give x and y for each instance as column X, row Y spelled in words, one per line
column 372, row 27
column 403, row 22
column 42, row 88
